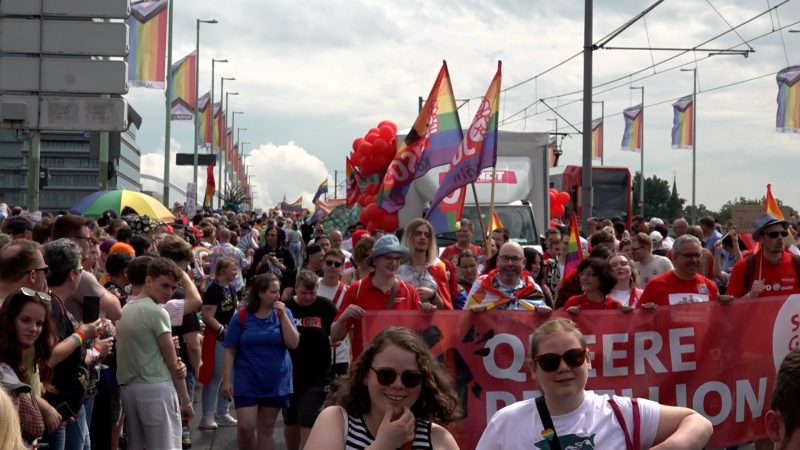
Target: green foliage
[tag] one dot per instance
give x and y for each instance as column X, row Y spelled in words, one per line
column 660, row 199
column 234, row 197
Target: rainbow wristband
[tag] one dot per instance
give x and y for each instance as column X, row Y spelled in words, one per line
column 77, row 338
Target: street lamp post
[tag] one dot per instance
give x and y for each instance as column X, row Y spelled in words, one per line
column 197, row 99
column 694, row 141
column 223, row 138
column 641, row 156
column 235, row 144
column 211, row 105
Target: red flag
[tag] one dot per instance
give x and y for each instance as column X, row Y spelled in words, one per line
column 211, row 187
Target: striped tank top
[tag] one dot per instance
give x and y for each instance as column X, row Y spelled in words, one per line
column 359, row 437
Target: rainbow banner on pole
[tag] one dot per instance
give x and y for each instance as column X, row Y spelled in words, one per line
column 476, row 152
column 183, row 78
column 204, row 135
column 217, row 124
column 634, row 123
column 322, row 189
column 438, row 116
column 210, row 187
column 597, row 139
column 788, row 118
column 574, row 251
column 147, row 40
column 682, row 123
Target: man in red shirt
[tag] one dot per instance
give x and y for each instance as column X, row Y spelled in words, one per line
column 772, row 270
column 464, row 237
column 682, row 284
column 381, row 290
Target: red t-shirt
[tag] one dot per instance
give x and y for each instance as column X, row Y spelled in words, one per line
column 368, row 296
column 779, row 279
column 668, row 289
column 583, row 302
column 453, row 251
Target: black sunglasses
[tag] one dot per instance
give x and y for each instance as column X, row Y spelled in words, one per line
column 775, row 234
column 550, row 362
column 409, row 378
column 333, row 263
column 32, row 293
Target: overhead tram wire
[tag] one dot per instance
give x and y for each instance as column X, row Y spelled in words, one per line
column 613, row 34
column 627, row 80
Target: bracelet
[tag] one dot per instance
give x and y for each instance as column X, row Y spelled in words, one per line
column 77, row 338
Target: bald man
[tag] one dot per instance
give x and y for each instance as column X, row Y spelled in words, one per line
column 508, row 286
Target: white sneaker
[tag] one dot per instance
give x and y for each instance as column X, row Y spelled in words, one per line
column 208, row 422
column 226, row 420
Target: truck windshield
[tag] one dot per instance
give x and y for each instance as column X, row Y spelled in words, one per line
column 517, row 219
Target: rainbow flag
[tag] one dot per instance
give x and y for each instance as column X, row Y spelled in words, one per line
column 477, row 152
column 183, row 78
column 788, row 118
column 419, row 152
column 210, row 187
column 634, row 126
column 597, row 139
column 495, row 223
column 553, row 152
column 574, row 250
column 147, row 41
column 295, row 206
column 204, row 125
column 683, row 122
column 217, row 124
column 228, row 144
column 354, row 182
column 322, row 189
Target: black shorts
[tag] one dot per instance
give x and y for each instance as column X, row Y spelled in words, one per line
column 304, row 406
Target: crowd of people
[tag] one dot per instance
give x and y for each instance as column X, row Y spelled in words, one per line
column 109, row 325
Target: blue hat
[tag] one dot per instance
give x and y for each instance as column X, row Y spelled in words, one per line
column 386, row 244
column 765, row 221
column 10, row 380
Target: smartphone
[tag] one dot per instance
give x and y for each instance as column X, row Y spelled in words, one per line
column 65, row 411
column 91, row 308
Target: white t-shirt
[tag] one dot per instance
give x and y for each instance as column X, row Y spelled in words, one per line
column 658, row 265
column 624, row 296
column 340, row 353
column 592, row 425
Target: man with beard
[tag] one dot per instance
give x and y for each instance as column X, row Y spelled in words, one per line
column 508, row 286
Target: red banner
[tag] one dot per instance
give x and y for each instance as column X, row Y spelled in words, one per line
column 718, row 359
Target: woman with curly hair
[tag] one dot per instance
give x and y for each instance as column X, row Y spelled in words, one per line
column 395, row 396
column 26, row 345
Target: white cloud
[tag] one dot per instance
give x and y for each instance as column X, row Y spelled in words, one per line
column 284, row 169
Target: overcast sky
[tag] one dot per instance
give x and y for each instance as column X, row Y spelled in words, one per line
column 316, row 74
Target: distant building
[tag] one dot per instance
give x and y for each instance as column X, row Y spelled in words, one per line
column 71, row 162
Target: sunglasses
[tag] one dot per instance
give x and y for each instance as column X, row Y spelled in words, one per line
column 775, row 234
column 550, row 362
column 32, row 293
column 409, row 378
column 332, row 263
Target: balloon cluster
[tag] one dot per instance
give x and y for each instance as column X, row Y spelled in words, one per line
column 558, row 200
column 371, row 156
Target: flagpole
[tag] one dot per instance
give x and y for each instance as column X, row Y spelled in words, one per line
column 168, row 115
column 603, row 131
column 641, row 156
column 694, row 139
column 491, row 198
column 480, row 216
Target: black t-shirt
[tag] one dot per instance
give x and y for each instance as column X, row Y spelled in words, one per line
column 70, row 377
column 223, row 299
column 284, row 257
column 311, row 360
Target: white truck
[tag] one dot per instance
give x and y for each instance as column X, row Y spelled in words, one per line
column 521, row 190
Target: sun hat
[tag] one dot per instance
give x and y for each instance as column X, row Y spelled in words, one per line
column 765, row 221
column 386, row 244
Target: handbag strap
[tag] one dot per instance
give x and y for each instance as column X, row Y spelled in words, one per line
column 636, row 444
column 392, row 295
column 547, row 422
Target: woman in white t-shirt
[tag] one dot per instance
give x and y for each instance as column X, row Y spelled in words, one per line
column 627, row 290
column 581, row 418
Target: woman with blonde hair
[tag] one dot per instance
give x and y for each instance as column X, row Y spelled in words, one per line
column 395, row 396
column 567, row 413
column 627, row 290
column 10, row 434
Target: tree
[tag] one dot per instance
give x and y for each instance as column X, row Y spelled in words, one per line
column 233, row 197
column 702, row 210
column 659, row 200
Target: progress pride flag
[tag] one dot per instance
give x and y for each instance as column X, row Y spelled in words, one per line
column 720, row 360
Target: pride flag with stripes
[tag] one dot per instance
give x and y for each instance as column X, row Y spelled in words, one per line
column 597, row 139
column 217, row 124
column 147, row 41
column 683, row 122
column 210, row 187
column 634, row 125
column 788, row 118
column 495, row 223
column 477, row 152
column 419, row 151
column 574, row 251
column 322, row 189
column 183, row 78
column 771, row 207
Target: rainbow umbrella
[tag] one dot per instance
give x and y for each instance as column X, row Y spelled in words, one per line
column 95, row 204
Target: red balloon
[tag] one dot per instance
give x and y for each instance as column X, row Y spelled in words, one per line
column 362, row 217
column 559, row 211
column 386, row 132
column 563, row 197
column 357, row 142
column 390, row 222
column 553, row 191
column 380, row 145
column 371, row 137
column 365, row 148
column 553, row 223
column 373, row 131
column 389, row 124
column 553, row 199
